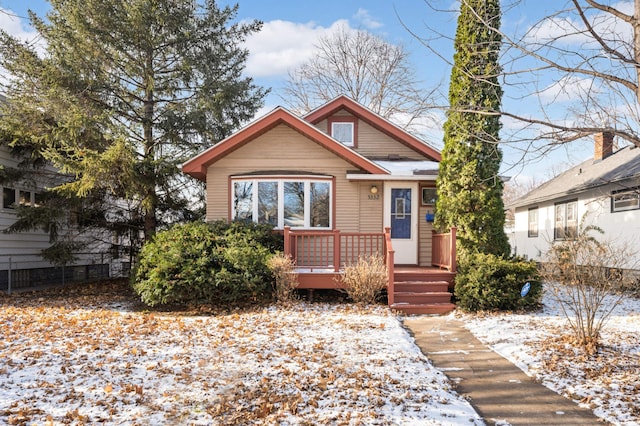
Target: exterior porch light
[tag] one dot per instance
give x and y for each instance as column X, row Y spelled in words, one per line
column 373, row 189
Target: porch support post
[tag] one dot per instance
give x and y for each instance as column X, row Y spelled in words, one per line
column 452, row 250
column 390, row 258
column 336, row 250
column 287, row 242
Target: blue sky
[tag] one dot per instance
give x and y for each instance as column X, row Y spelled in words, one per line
column 291, row 27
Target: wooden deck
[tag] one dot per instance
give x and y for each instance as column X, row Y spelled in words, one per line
column 320, row 256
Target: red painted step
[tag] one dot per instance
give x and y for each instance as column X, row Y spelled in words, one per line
column 422, row 298
column 420, row 286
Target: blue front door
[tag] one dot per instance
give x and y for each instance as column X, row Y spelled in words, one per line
column 401, row 213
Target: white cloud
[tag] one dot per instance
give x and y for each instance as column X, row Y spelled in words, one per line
column 568, row 88
column 364, row 18
column 569, row 30
column 283, row 45
column 18, row 27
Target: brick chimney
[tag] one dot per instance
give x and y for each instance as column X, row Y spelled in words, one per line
column 603, row 145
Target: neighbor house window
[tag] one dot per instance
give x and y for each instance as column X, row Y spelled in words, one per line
column 344, row 130
column 8, row 198
column 625, row 200
column 533, row 222
column 566, row 220
column 295, row 202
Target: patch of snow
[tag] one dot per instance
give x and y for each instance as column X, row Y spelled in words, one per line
column 606, row 383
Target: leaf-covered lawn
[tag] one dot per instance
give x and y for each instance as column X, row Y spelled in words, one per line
column 90, row 356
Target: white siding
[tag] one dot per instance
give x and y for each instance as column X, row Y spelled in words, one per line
column 594, row 206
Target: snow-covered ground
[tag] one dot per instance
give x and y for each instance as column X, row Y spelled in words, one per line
column 86, row 356
column 90, row 359
column 607, row 383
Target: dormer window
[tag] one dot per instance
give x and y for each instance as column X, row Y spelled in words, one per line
column 344, row 130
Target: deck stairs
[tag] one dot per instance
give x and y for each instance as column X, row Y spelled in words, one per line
column 423, row 291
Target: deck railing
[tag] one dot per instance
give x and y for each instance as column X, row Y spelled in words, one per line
column 443, row 250
column 331, row 249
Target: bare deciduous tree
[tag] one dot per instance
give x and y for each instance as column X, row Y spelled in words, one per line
column 587, row 276
column 366, row 68
column 571, row 74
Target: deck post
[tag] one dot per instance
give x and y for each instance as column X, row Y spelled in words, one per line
column 452, row 250
column 390, row 258
column 336, row 250
column 287, row 242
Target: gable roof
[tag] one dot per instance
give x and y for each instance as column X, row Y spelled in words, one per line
column 197, row 166
column 622, row 165
column 375, row 120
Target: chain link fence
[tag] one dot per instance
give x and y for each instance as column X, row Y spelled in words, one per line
column 24, row 271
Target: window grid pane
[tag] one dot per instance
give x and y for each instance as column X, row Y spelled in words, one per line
column 243, row 200
column 626, row 201
column 294, row 204
column 268, row 203
column 343, row 132
column 533, row 222
column 8, row 198
column 320, row 204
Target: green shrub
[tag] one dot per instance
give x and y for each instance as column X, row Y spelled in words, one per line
column 364, row 280
column 215, row 263
column 490, row 282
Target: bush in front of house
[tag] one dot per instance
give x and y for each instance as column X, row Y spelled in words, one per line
column 490, row 282
column 215, row 263
column 282, row 268
column 364, row 280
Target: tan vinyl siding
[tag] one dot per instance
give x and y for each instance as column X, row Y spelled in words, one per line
column 371, row 219
column 426, row 236
column 372, row 143
column 283, row 149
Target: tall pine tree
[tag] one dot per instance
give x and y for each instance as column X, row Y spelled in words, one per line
column 124, row 93
column 469, row 187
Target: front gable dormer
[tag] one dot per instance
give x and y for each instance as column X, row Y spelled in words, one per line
column 372, row 136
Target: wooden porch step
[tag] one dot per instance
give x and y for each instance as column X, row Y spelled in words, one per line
column 424, row 309
column 428, row 276
column 420, row 286
column 427, row 298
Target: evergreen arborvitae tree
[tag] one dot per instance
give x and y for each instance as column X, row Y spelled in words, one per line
column 469, row 188
column 125, row 92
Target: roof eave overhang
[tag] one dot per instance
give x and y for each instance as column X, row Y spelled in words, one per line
column 197, row 166
column 388, row 177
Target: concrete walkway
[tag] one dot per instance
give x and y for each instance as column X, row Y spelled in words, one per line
column 498, row 390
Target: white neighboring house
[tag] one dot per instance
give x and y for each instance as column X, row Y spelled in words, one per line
column 21, row 264
column 606, row 189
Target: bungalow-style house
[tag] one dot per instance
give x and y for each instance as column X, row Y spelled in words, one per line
column 604, row 190
column 339, row 182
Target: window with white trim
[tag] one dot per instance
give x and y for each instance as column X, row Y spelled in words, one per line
column 533, row 222
column 343, row 132
column 295, row 202
column 625, row 200
column 566, row 220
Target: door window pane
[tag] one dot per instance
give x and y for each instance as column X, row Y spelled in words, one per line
column 243, row 200
column 294, row 204
column 401, row 213
column 320, row 204
column 268, row 202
